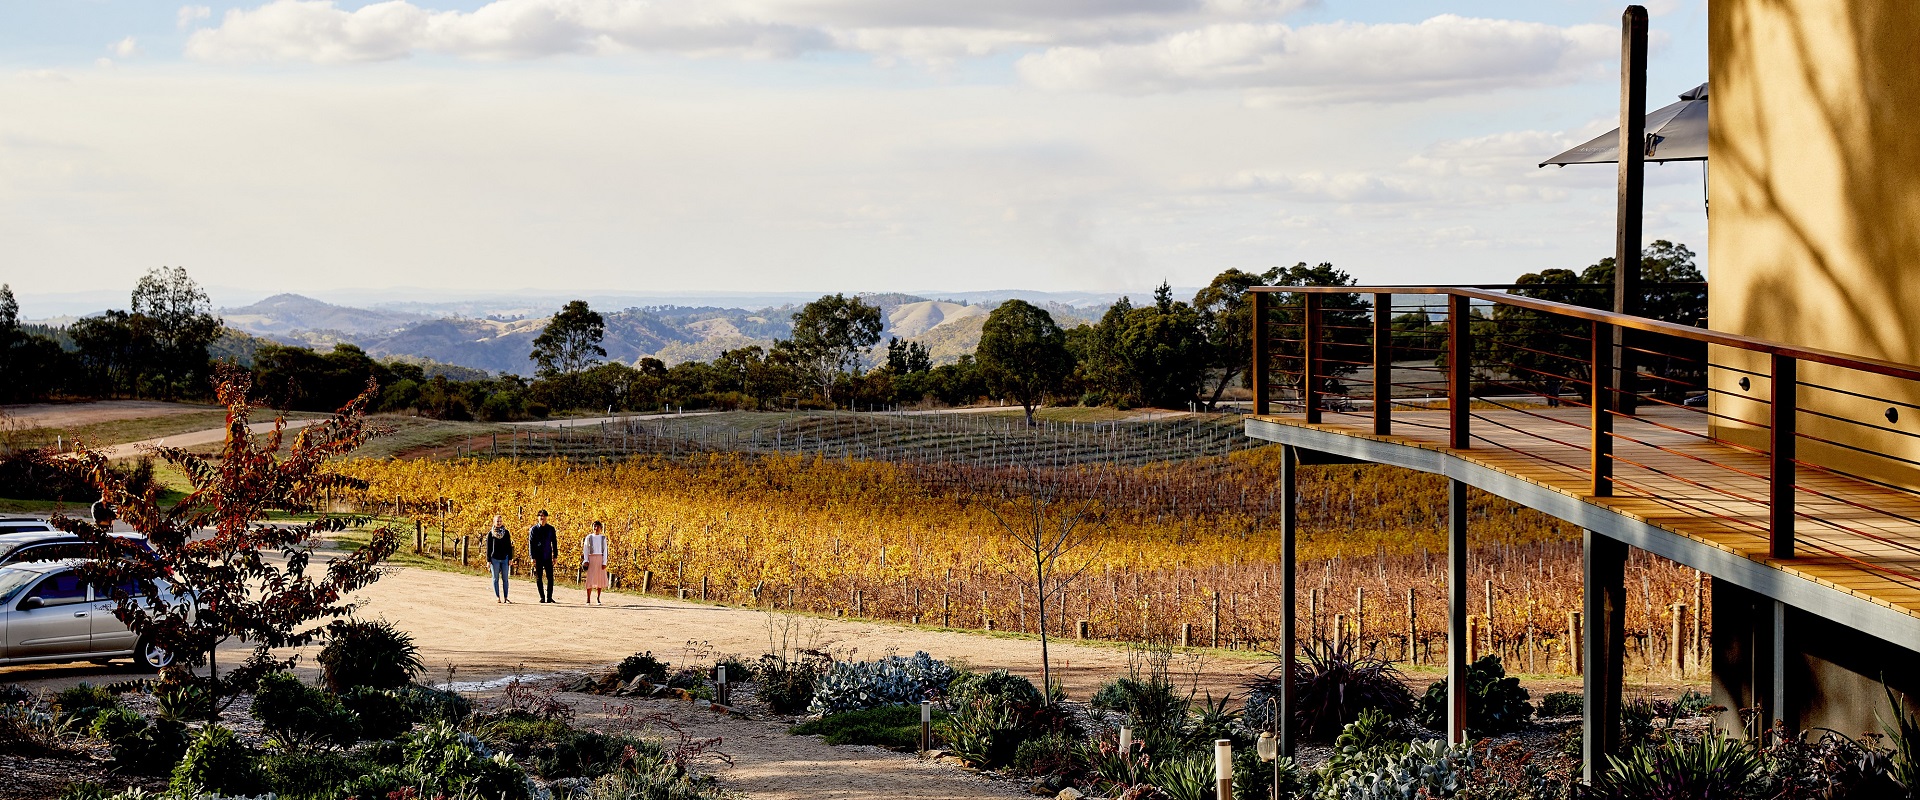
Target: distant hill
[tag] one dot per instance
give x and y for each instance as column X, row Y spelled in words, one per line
column 502, row 342
column 286, row 313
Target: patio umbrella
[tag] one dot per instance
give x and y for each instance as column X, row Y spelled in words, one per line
column 1677, row 132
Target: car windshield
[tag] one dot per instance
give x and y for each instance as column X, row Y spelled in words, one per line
column 13, row 580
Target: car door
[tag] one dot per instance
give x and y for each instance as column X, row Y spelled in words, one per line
column 108, row 633
column 59, row 624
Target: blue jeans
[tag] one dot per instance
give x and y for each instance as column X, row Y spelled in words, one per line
column 500, row 568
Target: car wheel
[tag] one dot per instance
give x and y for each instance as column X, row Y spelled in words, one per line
column 151, row 657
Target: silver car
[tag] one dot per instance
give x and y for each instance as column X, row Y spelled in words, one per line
column 48, row 612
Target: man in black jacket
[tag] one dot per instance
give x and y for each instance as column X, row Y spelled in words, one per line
column 543, row 545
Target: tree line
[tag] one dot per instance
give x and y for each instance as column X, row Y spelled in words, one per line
column 1164, row 352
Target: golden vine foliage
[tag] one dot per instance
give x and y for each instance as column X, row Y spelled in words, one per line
column 900, row 540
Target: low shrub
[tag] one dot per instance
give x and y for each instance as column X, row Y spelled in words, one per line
column 1562, row 704
column 319, row 776
column 1362, row 743
column 141, row 746
column 439, row 759
column 984, row 731
column 1111, row 696
column 895, row 680
column 27, row 730
column 1829, row 765
column 301, row 718
column 1156, row 710
column 11, row 693
column 1423, row 769
column 1495, row 703
column 554, row 750
column 892, row 727
column 217, row 763
column 1016, row 691
column 1051, row 754
column 369, row 653
column 1331, row 687
column 184, row 702
column 437, row 705
column 640, row 664
column 1707, row 767
column 1186, row 778
column 383, row 713
column 79, row 703
column 738, row 670
column 787, row 685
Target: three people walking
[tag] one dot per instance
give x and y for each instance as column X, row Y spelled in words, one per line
column 543, row 547
column 500, row 558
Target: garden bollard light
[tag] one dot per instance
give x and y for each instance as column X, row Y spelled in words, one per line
column 1268, row 748
column 721, row 679
column 1223, row 767
column 926, row 726
column 1126, row 742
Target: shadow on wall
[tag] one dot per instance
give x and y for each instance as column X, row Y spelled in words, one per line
column 1815, row 145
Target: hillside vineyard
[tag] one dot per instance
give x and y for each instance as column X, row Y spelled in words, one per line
column 1183, row 551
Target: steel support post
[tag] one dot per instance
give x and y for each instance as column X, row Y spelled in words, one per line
column 1289, row 585
column 1781, row 436
column 1457, row 611
column 1605, row 599
column 1382, row 364
column 1257, row 371
column 1632, row 188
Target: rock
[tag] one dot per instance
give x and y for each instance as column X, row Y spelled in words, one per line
column 1069, row 793
column 581, row 685
column 935, row 755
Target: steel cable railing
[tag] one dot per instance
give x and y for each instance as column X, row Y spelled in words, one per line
column 1494, row 370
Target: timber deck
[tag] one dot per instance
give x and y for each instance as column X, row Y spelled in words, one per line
column 1854, row 537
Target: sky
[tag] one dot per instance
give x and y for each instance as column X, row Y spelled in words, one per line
column 630, row 146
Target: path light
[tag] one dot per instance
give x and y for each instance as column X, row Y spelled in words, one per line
column 1223, row 767
column 1269, row 745
column 1126, row 741
column 926, row 725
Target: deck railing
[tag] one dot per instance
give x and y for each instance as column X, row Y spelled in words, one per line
column 1816, row 452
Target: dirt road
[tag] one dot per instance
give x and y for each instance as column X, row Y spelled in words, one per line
column 74, row 415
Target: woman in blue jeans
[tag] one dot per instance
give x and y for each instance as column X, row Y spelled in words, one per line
column 500, row 558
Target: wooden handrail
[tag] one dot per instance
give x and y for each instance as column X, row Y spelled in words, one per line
column 1813, row 354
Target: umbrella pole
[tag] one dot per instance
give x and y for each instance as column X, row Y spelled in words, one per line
column 1632, row 191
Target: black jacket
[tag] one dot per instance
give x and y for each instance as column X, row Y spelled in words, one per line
column 543, row 543
column 500, row 548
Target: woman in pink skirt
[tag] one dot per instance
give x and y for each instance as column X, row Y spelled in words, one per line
column 593, row 559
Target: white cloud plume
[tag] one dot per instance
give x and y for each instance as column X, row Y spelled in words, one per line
column 191, row 14
column 319, row 31
column 125, row 48
column 1444, row 55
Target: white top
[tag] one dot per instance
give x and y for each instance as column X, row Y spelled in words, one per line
column 594, row 545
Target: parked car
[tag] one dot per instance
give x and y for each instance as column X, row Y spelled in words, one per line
column 56, row 545
column 49, row 612
column 23, row 525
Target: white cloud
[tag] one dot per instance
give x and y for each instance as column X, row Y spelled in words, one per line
column 1444, row 55
column 319, row 31
column 125, row 48
column 191, row 14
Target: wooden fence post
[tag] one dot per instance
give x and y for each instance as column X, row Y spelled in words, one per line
column 1678, row 644
column 1574, row 661
column 1413, row 631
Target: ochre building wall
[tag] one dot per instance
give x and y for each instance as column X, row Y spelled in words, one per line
column 1815, row 227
